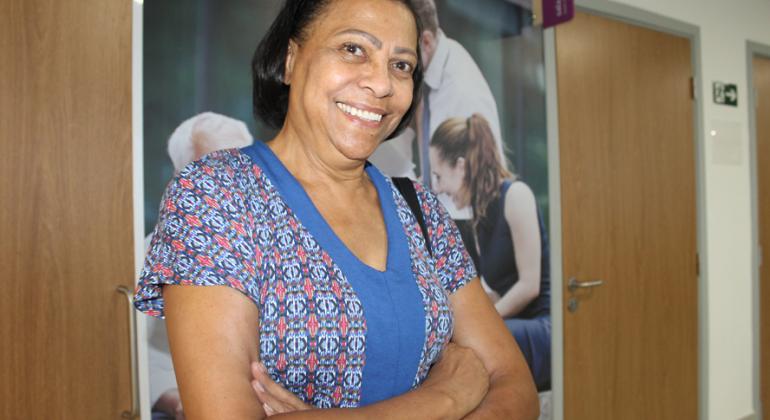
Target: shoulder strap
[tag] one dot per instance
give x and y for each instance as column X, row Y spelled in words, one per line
column 406, row 188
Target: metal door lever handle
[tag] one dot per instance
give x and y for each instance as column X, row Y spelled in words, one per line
column 573, row 284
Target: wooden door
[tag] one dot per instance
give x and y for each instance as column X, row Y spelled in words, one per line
column 629, row 219
column 761, row 70
column 66, row 220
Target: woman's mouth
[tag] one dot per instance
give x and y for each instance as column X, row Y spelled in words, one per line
column 362, row 114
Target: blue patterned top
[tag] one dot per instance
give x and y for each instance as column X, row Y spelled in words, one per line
column 333, row 330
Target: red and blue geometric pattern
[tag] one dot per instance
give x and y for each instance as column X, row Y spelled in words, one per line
column 223, row 222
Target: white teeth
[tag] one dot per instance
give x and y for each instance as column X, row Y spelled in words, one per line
column 360, row 113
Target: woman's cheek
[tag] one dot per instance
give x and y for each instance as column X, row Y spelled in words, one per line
column 406, row 92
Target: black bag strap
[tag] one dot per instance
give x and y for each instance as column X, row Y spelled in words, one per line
column 406, row 188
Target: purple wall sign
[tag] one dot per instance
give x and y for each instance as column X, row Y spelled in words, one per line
column 557, row 11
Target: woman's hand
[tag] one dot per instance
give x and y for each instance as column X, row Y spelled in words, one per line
column 274, row 398
column 478, row 326
column 458, row 375
column 461, row 375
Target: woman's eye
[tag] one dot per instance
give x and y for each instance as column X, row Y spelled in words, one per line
column 403, row 66
column 353, row 49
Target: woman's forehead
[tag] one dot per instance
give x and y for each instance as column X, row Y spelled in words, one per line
column 387, row 21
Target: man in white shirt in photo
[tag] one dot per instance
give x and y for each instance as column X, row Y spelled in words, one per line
column 453, row 87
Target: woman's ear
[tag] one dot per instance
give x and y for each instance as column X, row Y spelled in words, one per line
column 291, row 55
column 461, row 165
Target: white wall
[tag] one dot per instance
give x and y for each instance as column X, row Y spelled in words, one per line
column 137, row 115
column 725, row 26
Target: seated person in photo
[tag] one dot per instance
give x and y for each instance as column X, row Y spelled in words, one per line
column 510, row 235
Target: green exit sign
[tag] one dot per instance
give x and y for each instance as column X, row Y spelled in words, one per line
column 725, row 94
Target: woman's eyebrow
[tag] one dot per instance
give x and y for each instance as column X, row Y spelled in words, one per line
column 373, row 39
column 376, row 41
column 404, row 50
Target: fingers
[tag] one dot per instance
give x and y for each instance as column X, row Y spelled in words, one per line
column 261, row 383
column 270, row 404
column 268, row 410
column 449, row 349
column 274, row 398
column 274, row 389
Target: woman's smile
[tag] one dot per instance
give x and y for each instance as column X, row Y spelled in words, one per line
column 360, row 113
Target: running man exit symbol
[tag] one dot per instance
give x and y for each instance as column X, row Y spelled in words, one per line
column 725, row 94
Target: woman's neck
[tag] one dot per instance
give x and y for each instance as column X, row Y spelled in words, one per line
column 315, row 161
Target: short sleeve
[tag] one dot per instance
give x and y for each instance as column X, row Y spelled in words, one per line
column 454, row 265
column 204, row 233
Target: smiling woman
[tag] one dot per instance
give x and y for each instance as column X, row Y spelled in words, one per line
column 364, row 70
column 322, row 300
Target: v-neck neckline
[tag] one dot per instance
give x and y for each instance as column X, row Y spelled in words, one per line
column 294, row 195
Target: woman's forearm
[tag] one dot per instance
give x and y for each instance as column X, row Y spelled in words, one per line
column 508, row 398
column 420, row 403
column 511, row 393
column 517, row 298
column 456, row 384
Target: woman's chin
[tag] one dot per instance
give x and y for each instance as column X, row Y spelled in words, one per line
column 460, row 204
column 357, row 148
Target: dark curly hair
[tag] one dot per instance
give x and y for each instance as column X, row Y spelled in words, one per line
column 270, row 97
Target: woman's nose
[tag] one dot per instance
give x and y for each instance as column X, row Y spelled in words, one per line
column 377, row 80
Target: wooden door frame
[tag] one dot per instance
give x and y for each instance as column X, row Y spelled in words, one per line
column 643, row 18
column 754, row 49
column 137, row 123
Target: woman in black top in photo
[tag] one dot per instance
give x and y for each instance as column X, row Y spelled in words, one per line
column 510, row 236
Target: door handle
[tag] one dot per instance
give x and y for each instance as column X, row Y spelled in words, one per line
column 133, row 413
column 573, row 284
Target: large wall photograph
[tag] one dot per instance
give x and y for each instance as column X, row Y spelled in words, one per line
column 478, row 140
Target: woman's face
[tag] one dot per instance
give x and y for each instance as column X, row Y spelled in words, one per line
column 448, row 178
column 351, row 78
